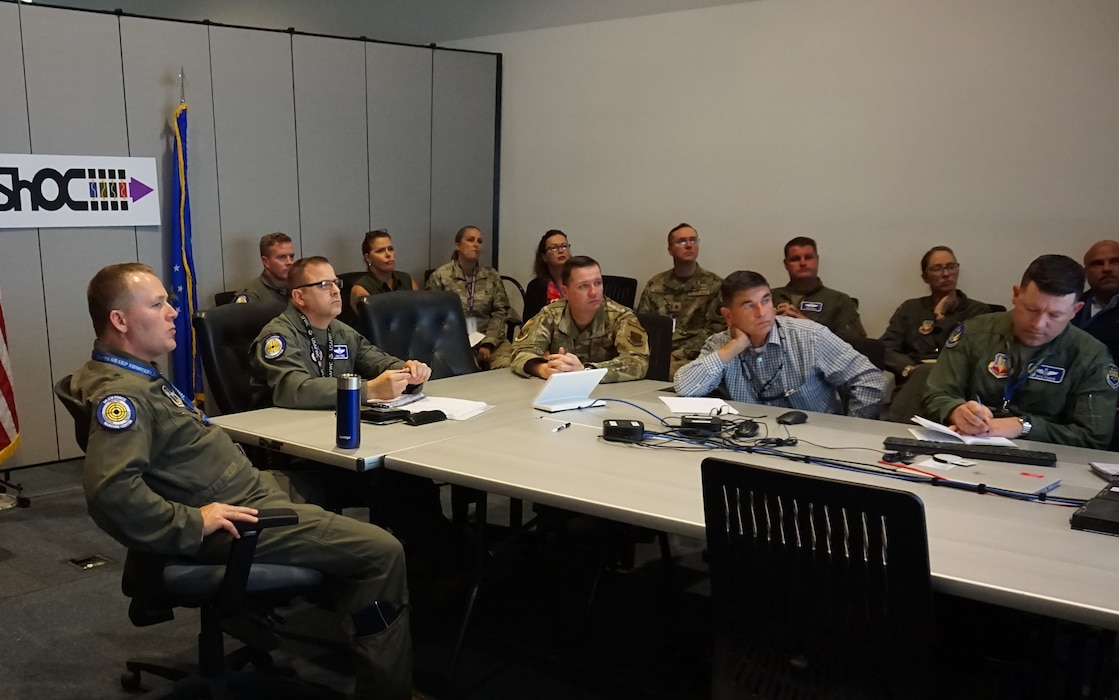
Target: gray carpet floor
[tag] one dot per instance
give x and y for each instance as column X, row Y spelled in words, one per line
column 64, row 630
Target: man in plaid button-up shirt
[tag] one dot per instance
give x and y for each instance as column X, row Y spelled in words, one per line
column 791, row 363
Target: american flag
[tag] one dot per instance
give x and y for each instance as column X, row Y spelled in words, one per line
column 9, row 421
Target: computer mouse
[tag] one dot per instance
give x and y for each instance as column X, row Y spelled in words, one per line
column 792, row 418
column 746, row 429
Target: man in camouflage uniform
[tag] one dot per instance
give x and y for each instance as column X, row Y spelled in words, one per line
column 1028, row 373
column 805, row 296
column 159, row 477
column 585, row 330
column 277, row 254
column 687, row 294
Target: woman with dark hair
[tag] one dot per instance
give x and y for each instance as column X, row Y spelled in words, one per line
column 381, row 273
column 552, row 252
column 920, row 326
column 483, row 297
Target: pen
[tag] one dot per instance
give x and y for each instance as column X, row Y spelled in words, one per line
column 562, row 426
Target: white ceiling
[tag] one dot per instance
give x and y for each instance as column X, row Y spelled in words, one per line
column 409, row 21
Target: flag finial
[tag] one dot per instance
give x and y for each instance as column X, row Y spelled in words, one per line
column 182, row 85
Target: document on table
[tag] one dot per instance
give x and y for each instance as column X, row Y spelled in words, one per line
column 942, row 433
column 698, row 404
column 456, row 409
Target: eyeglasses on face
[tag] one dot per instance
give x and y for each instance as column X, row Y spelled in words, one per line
column 557, row 247
column 322, row 284
column 681, row 242
column 937, row 269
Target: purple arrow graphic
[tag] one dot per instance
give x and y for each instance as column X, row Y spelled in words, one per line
column 138, row 189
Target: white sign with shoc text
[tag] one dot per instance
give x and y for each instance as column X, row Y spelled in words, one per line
column 77, row 191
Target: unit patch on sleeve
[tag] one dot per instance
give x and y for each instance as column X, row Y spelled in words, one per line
column 955, row 336
column 273, row 346
column 1113, row 376
column 116, row 412
column 241, row 299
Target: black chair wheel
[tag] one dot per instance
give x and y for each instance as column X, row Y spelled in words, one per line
column 130, row 680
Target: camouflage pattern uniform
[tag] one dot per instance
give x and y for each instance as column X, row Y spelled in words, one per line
column 692, row 304
column 260, row 289
column 830, row 307
column 614, row 340
column 1069, row 398
column 489, row 306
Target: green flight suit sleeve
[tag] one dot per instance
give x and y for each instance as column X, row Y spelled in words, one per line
column 372, row 360
column 290, row 380
column 949, row 383
column 1090, row 406
column 894, row 340
column 848, row 325
column 121, row 502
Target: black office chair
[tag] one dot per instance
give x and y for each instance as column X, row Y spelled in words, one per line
column 425, row 326
column 820, row 588
column 224, row 336
column 621, row 289
column 158, row 584
column 873, row 349
column 659, row 330
column 349, row 279
column 516, row 314
column 223, row 298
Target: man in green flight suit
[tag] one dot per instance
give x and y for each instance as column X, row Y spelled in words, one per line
column 160, row 478
column 687, row 294
column 276, row 256
column 805, row 296
column 1028, row 373
column 584, row 330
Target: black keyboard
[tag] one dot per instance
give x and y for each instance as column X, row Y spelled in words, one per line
column 995, row 453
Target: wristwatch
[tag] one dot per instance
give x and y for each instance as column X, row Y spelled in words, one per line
column 1026, row 426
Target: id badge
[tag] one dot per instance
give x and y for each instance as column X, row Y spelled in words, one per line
column 471, row 325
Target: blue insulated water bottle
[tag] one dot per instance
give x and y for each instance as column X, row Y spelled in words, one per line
column 349, row 411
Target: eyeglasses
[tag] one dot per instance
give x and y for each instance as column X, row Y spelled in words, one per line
column 322, row 284
column 937, row 269
column 681, row 242
column 557, row 247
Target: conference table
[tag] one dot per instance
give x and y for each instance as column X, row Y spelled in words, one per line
column 1013, row 553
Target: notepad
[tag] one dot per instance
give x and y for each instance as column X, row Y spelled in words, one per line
column 942, row 433
column 455, row 409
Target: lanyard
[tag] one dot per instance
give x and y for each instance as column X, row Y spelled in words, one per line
column 316, row 351
column 1015, row 384
column 470, row 292
column 147, row 371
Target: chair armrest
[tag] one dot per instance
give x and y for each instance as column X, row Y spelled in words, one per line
column 232, row 594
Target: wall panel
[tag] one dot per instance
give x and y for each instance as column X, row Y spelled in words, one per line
column 154, row 53
column 399, row 108
column 464, row 95
column 254, row 127
column 331, row 139
column 76, row 106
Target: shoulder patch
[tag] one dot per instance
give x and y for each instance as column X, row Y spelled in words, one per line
column 273, row 346
column 954, row 337
column 1112, row 375
column 241, row 299
column 116, row 412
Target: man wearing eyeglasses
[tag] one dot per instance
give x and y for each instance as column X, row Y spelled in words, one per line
column 277, row 254
column 687, row 294
column 299, row 354
column 787, row 362
column 805, row 296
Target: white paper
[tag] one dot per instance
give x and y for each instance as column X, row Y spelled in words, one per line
column 475, row 337
column 399, row 402
column 456, row 409
column 698, row 404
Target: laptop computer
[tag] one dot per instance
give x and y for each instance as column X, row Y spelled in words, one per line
column 567, row 390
